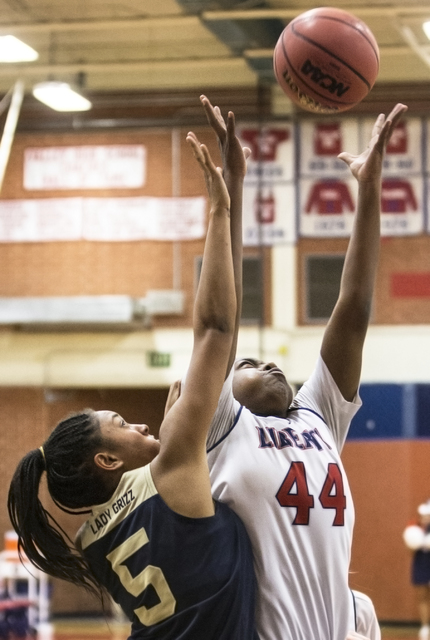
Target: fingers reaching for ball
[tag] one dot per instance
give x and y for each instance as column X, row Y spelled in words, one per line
column 215, row 185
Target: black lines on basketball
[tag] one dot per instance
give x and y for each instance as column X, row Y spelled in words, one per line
column 350, row 26
column 307, row 85
column 331, row 54
column 326, row 60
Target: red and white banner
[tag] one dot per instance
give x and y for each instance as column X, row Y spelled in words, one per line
column 404, row 150
column 269, row 214
column 320, row 144
column 269, row 192
column 85, row 167
column 328, row 192
column 327, row 206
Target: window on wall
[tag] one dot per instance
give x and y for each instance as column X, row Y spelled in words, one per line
column 253, row 300
column 322, row 282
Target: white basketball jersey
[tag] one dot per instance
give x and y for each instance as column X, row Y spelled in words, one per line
column 366, row 620
column 285, row 480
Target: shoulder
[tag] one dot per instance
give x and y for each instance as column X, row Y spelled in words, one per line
column 321, row 395
column 134, row 488
column 226, row 415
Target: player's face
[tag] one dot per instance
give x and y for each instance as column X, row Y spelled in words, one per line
column 132, row 443
column 261, row 387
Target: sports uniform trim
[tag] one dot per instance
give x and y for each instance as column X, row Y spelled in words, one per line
column 236, row 420
column 134, row 488
column 354, row 610
column 307, row 409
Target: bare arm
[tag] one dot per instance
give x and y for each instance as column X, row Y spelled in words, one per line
column 180, row 470
column 344, row 336
column 234, row 170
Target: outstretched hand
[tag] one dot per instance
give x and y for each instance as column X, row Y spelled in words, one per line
column 215, row 185
column 234, row 156
column 367, row 166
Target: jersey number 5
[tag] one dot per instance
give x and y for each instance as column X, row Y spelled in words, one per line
column 150, row 575
column 332, row 495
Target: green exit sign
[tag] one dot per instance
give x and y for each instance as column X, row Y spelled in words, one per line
column 158, row 359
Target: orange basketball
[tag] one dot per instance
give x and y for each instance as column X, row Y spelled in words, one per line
column 326, row 60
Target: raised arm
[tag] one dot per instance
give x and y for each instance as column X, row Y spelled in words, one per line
column 234, row 158
column 344, row 336
column 180, row 470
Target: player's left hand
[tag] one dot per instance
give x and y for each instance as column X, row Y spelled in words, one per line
column 234, row 156
column 219, row 196
column 367, row 166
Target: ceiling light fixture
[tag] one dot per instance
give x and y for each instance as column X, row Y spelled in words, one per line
column 60, row 96
column 426, row 28
column 14, row 50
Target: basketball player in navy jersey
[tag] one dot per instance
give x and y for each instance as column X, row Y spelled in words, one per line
column 275, row 458
column 179, row 564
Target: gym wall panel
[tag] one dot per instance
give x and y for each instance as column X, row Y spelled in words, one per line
column 381, row 413
column 407, row 258
column 423, row 410
column 96, row 268
column 388, row 480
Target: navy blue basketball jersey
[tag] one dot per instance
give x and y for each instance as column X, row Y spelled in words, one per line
column 175, row 577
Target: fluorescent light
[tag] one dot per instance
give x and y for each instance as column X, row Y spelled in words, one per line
column 13, row 50
column 60, row 96
column 426, row 27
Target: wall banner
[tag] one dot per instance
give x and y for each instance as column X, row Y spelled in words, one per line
column 269, row 191
column 85, row 167
column 328, row 192
column 102, row 219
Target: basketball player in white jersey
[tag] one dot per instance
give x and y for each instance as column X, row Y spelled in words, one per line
column 275, row 458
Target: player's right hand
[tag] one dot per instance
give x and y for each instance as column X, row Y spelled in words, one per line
column 234, row 156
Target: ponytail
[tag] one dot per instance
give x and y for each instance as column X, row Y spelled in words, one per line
column 73, row 482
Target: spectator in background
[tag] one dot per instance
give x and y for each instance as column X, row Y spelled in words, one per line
column 417, row 538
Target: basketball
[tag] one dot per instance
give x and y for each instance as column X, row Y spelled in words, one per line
column 326, row 60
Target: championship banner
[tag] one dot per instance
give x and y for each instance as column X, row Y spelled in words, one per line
column 269, row 194
column 404, row 153
column 102, row 219
column 320, row 144
column 268, row 214
column 85, row 167
column 327, row 191
column 402, row 206
column 402, row 201
column 327, row 206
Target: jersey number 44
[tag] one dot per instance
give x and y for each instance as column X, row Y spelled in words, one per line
column 332, row 495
